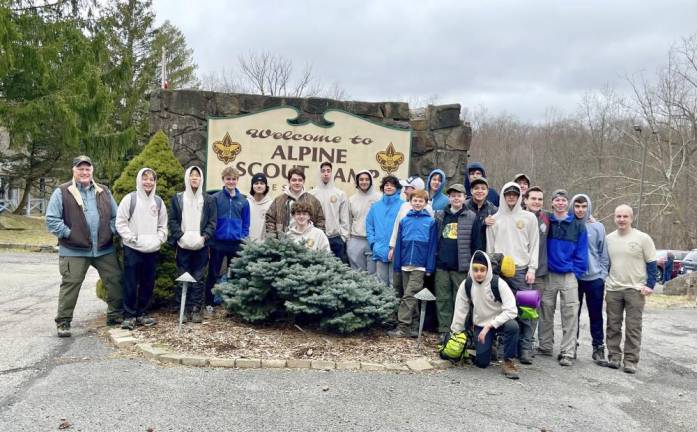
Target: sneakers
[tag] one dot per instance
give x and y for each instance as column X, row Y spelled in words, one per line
column 129, row 324
column 510, row 370
column 209, row 310
column 397, row 333
column 566, row 361
column 146, row 321
column 63, row 330
column 613, row 364
column 629, row 368
column 196, row 316
column 114, row 322
column 599, row 355
column 544, row 352
column 525, row 358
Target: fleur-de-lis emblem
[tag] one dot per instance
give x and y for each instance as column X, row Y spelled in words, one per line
column 227, row 150
column 390, row 159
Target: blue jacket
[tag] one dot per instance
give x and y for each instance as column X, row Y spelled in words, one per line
column 598, row 258
column 493, row 196
column 567, row 246
column 379, row 224
column 417, row 241
column 439, row 200
column 233, row 216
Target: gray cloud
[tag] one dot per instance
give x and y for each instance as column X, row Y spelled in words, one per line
column 516, row 56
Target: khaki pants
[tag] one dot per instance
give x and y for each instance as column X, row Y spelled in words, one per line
column 73, row 270
column 446, row 285
column 413, row 283
column 565, row 285
column 627, row 305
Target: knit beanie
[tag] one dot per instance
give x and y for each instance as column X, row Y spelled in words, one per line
column 480, row 258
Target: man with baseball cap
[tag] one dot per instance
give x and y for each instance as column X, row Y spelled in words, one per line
column 567, row 260
column 483, row 208
column 82, row 214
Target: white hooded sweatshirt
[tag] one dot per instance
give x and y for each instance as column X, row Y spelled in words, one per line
column 257, row 217
column 311, row 237
column 192, row 209
column 146, row 229
column 359, row 206
column 515, row 233
column 335, row 208
column 486, row 309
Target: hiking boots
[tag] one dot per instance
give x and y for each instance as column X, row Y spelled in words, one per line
column 544, row 352
column 629, row 368
column 613, row 364
column 599, row 355
column 146, row 321
column 510, row 370
column 397, row 333
column 525, row 358
column 129, row 324
column 63, row 330
column 196, row 316
column 113, row 322
column 566, row 361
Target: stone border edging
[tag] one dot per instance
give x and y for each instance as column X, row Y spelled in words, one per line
column 30, row 247
column 125, row 339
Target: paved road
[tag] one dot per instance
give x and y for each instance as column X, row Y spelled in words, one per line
column 44, row 379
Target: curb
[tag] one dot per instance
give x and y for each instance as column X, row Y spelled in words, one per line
column 125, row 339
column 30, row 247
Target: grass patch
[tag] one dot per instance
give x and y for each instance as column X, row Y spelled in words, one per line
column 24, row 230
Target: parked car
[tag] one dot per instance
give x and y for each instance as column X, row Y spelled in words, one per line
column 677, row 263
column 689, row 263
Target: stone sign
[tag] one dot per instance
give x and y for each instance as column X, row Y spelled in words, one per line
column 272, row 141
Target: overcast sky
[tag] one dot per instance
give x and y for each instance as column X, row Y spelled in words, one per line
column 519, row 57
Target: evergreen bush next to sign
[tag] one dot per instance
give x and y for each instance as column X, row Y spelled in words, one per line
column 279, row 279
column 158, row 155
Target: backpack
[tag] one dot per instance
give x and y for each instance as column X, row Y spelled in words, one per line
column 134, row 200
column 468, row 290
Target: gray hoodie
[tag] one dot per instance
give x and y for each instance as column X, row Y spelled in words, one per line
column 598, row 258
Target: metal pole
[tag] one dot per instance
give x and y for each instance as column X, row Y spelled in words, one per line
column 643, row 173
column 183, row 304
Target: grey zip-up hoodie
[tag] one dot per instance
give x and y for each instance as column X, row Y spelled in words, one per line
column 598, row 258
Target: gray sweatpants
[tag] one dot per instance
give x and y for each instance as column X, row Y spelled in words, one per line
column 359, row 254
column 566, row 286
column 383, row 271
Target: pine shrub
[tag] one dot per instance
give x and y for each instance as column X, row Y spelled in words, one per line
column 279, row 279
column 158, row 155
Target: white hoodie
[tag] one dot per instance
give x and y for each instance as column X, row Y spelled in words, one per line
column 359, row 206
column 515, row 233
column 192, row 208
column 257, row 217
column 311, row 237
column 335, row 208
column 486, row 309
column 146, row 230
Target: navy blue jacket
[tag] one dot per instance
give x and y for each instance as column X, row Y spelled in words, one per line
column 233, row 216
column 417, row 241
column 567, row 245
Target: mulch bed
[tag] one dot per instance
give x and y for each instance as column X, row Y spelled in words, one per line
column 221, row 335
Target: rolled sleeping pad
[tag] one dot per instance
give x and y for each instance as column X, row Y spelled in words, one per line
column 528, row 298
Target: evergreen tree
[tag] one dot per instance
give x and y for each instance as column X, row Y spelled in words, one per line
column 279, row 278
column 157, row 154
column 180, row 66
column 52, row 99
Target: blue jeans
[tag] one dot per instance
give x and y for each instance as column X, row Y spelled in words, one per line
column 526, row 326
column 593, row 291
column 194, row 263
column 218, row 253
column 338, row 247
column 138, row 281
column 510, row 343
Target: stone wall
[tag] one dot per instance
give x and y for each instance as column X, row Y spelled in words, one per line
column 439, row 138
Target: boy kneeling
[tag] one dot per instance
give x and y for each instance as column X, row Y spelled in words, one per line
column 491, row 311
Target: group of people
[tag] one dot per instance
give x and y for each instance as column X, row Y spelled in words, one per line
column 440, row 236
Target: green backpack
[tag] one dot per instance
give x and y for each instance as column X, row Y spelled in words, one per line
column 454, row 350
